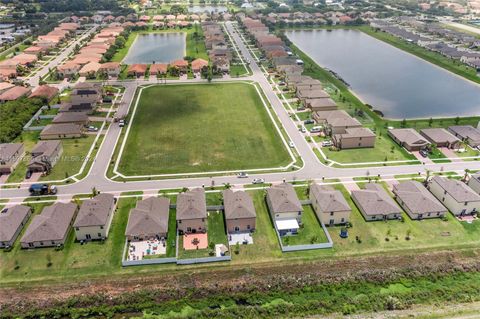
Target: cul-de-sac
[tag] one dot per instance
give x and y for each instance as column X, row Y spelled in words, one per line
column 240, row 159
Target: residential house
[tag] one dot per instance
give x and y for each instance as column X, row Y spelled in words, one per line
column 417, row 201
column 355, row 137
column 10, row 156
column 90, row 69
column 285, row 208
column 68, row 69
column 95, row 217
column 51, row 227
column 44, row 91
column 12, row 220
column 240, row 215
column 329, row 205
column 307, row 93
column 474, row 183
column 336, row 122
column 149, row 219
column 14, row 93
column 111, row 69
column 44, row 156
column 375, row 203
column 455, row 195
column 466, row 133
column 66, row 130
column 5, row 86
column 137, row 70
column 198, row 65
column 158, row 69
column 408, row 138
column 323, row 104
column 192, row 211
column 80, row 118
column 180, row 65
column 441, row 137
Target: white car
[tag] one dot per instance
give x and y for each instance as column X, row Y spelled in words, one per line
column 242, row 175
column 92, row 129
column 291, row 144
column 258, row 181
column 327, row 143
column 303, row 129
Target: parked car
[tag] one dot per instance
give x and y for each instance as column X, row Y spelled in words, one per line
column 309, row 121
column 424, row 153
column 316, row 129
column 121, row 123
column 258, row 181
column 327, row 143
column 303, row 129
column 242, row 175
column 281, row 83
column 291, row 144
column 301, row 108
column 28, row 175
column 92, row 129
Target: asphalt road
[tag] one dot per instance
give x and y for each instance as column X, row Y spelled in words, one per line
column 313, row 169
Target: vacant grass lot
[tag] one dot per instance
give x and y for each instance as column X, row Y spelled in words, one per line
column 201, row 128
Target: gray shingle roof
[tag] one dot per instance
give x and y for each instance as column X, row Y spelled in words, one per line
column 329, row 199
column 466, row 131
column 94, row 212
column 457, row 189
column 191, row 205
column 68, row 117
column 238, row 205
column 8, row 150
column 284, row 199
column 10, row 221
column 150, row 216
column 374, row 200
column 52, row 224
column 408, row 136
column 417, row 198
column 439, row 135
column 62, row 129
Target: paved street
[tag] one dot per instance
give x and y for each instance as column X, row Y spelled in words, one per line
column 313, row 169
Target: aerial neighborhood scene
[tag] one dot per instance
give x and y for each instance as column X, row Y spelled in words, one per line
column 240, row 159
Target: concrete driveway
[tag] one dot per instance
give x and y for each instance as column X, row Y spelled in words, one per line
column 424, row 160
column 450, row 153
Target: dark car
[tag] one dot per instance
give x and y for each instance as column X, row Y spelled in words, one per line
column 424, row 153
column 308, row 121
column 28, row 175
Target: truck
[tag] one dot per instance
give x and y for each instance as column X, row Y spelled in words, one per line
column 42, row 189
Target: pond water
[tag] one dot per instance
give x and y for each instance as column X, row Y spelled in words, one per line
column 391, row 80
column 158, row 47
column 202, row 9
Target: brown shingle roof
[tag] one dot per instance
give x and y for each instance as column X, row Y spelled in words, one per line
column 283, row 198
column 238, row 205
column 329, row 200
column 14, row 93
column 374, row 200
column 11, row 220
column 95, row 211
column 191, row 205
column 46, row 91
column 417, row 198
column 52, row 224
column 150, row 216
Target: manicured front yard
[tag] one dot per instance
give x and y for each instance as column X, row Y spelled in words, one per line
column 201, row 128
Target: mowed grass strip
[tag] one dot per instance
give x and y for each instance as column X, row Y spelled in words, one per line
column 201, row 128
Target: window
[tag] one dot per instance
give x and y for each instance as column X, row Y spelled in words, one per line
column 179, row 221
column 299, row 213
column 343, row 220
column 237, row 228
column 99, row 235
column 443, row 199
column 87, row 236
column 77, row 229
column 331, row 213
column 248, row 227
column 189, row 229
column 101, row 227
column 53, row 243
column 41, row 243
column 466, row 203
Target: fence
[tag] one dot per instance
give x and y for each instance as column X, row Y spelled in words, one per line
column 38, row 115
column 328, row 244
column 211, row 208
column 203, row 260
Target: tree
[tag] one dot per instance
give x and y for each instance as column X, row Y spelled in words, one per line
column 457, row 120
column 403, row 124
column 430, row 122
column 120, row 42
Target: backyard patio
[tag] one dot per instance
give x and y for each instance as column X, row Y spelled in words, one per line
column 195, row 241
column 140, row 249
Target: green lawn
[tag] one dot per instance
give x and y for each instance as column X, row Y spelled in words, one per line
column 200, row 128
column 310, row 232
